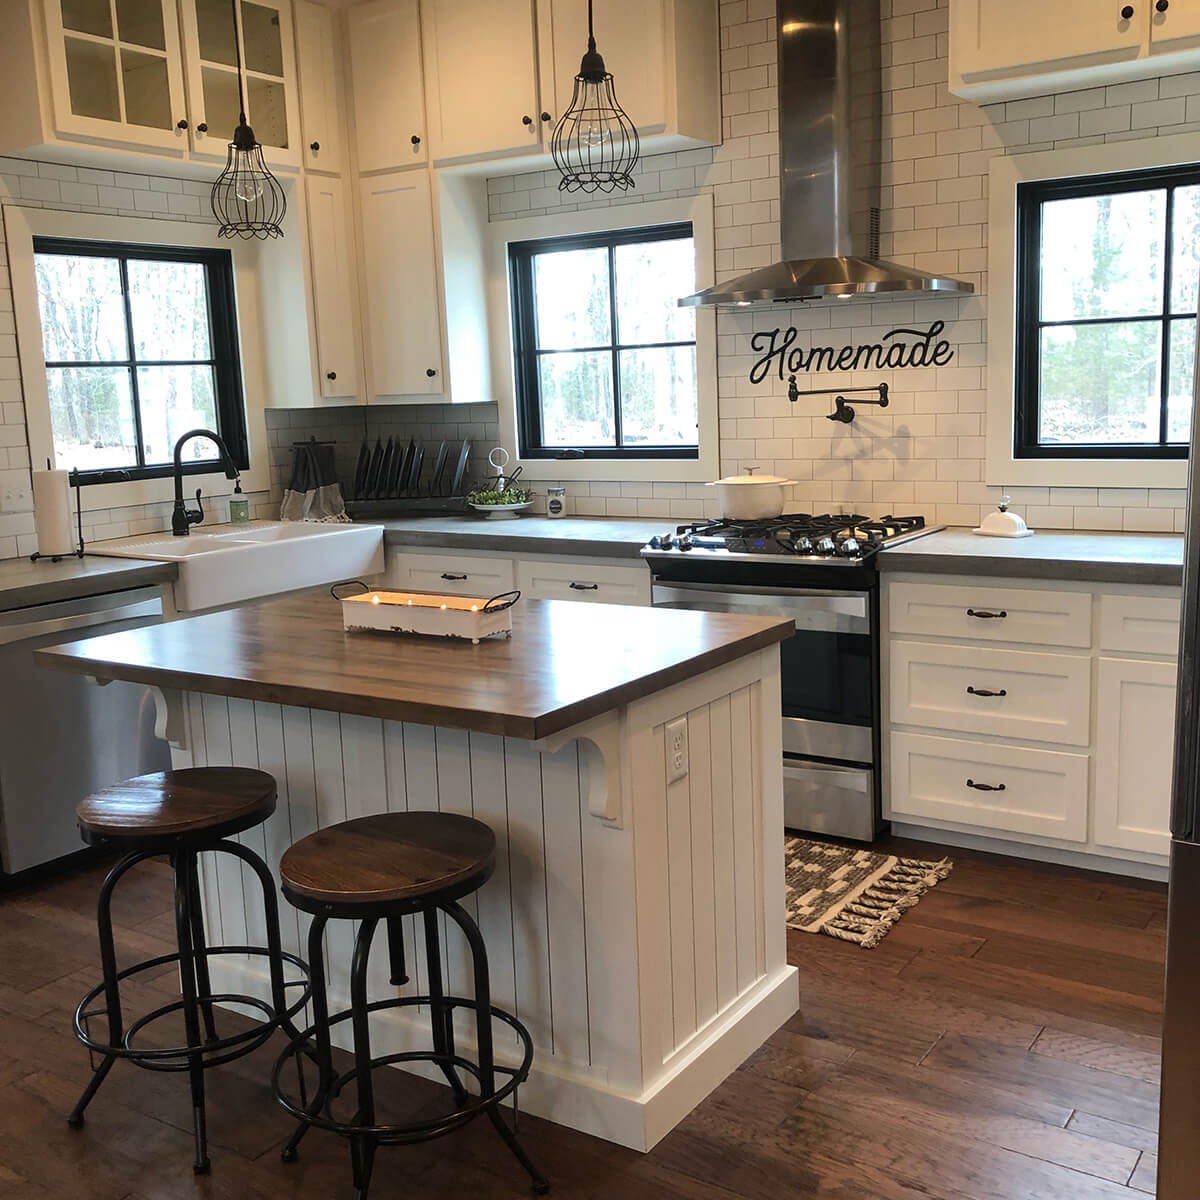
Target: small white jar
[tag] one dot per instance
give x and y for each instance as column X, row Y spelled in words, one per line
column 556, row 502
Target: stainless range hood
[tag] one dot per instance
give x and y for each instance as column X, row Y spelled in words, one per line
column 830, row 82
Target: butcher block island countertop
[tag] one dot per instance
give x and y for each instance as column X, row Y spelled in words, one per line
column 629, row 761
column 564, row 663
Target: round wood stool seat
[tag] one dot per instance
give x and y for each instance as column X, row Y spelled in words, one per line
column 213, row 801
column 388, row 860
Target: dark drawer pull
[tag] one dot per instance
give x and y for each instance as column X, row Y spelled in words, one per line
column 985, row 787
column 584, row 587
column 984, row 692
column 448, row 575
column 1127, row 13
column 984, row 615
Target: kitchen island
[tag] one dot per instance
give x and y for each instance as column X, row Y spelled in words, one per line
column 628, row 760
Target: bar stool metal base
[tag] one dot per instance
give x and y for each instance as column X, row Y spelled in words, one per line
column 363, row 1132
column 198, row 1001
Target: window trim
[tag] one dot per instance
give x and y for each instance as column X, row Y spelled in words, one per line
column 223, row 331
column 610, row 472
column 526, row 352
column 998, row 307
column 1031, row 196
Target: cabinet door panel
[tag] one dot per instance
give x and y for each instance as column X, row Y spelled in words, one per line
column 402, row 285
column 1135, row 742
column 483, row 71
column 1176, row 29
column 389, row 93
column 320, row 105
column 457, row 574
column 116, row 82
column 997, row 38
column 337, row 353
column 630, row 34
column 582, row 581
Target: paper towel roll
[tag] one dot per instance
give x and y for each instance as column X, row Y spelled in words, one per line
column 52, row 512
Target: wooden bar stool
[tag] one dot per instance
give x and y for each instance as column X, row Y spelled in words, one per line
column 183, row 814
column 382, row 868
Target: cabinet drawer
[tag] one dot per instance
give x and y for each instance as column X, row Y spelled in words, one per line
column 458, row 574
column 991, row 613
column 1140, row 624
column 599, row 584
column 1043, row 697
column 1043, row 792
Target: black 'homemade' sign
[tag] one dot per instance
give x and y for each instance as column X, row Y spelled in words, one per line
column 903, row 348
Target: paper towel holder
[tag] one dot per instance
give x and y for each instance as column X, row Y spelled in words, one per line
column 78, row 552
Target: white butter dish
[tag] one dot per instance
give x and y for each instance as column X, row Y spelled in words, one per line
column 1003, row 524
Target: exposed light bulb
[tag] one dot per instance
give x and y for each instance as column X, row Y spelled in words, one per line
column 249, row 185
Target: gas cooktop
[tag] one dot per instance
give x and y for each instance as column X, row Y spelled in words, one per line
column 832, row 537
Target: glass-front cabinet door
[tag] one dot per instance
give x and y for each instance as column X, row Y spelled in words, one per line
column 211, row 39
column 115, row 68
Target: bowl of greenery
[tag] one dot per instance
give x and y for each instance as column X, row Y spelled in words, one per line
column 500, row 503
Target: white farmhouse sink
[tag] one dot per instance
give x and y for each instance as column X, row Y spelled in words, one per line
column 228, row 564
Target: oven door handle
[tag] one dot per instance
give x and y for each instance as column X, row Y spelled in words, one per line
column 741, row 589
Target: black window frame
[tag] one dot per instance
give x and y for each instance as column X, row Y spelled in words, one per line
column 225, row 359
column 1030, row 199
column 526, row 351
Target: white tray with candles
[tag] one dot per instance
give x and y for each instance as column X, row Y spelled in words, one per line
column 427, row 613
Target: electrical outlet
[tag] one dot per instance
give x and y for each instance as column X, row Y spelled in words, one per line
column 16, row 499
column 677, row 750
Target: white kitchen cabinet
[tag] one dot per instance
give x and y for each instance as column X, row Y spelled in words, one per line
column 1135, row 736
column 1140, row 624
column 116, row 72
column 598, row 583
column 321, row 119
column 400, row 267
column 388, row 85
column 267, row 40
column 483, row 92
column 1006, row 49
column 457, row 574
column 333, row 291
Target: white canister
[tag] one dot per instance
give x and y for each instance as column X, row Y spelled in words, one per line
column 556, row 502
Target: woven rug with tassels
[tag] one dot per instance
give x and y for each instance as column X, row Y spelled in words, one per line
column 855, row 895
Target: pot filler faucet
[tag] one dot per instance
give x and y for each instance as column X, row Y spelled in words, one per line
column 182, row 517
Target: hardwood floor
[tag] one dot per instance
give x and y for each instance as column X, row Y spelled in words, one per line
column 1000, row 1044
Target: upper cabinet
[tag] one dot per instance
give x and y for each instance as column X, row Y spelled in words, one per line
column 388, row 85
column 1006, row 49
column 321, row 122
column 116, row 71
column 483, row 87
column 264, row 28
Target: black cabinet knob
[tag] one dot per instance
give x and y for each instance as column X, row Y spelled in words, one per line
column 1161, row 5
column 527, row 120
column 314, row 146
column 547, row 117
column 202, row 128
column 330, row 374
column 1127, row 13
column 430, row 372
column 181, row 124
column 416, row 141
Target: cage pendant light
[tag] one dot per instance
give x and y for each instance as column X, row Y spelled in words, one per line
column 247, row 200
column 594, row 145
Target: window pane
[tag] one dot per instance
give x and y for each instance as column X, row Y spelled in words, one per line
column 88, row 16
column 92, row 79
column 174, row 400
column 1100, row 383
column 1185, row 249
column 91, row 414
column 570, row 288
column 577, row 399
column 220, row 102
column 214, row 29
column 651, row 276
column 147, row 92
column 141, row 22
column 260, row 38
column 169, row 305
column 83, row 313
column 1179, row 396
column 658, row 396
column 267, row 102
column 1102, row 256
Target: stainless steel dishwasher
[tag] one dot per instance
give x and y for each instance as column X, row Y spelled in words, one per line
column 61, row 735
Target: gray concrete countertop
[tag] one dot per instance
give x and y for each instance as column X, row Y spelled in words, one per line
column 598, row 537
column 24, row 583
column 1150, row 558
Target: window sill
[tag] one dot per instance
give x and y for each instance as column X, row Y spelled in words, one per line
column 620, row 470
column 1002, row 470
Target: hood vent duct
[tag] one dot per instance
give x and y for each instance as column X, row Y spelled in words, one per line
column 830, row 84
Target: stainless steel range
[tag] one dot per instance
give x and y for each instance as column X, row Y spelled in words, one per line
column 819, row 572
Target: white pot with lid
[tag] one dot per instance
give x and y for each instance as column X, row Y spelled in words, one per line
column 750, row 497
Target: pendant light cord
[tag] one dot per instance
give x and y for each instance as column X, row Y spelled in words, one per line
column 591, row 35
column 237, row 52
